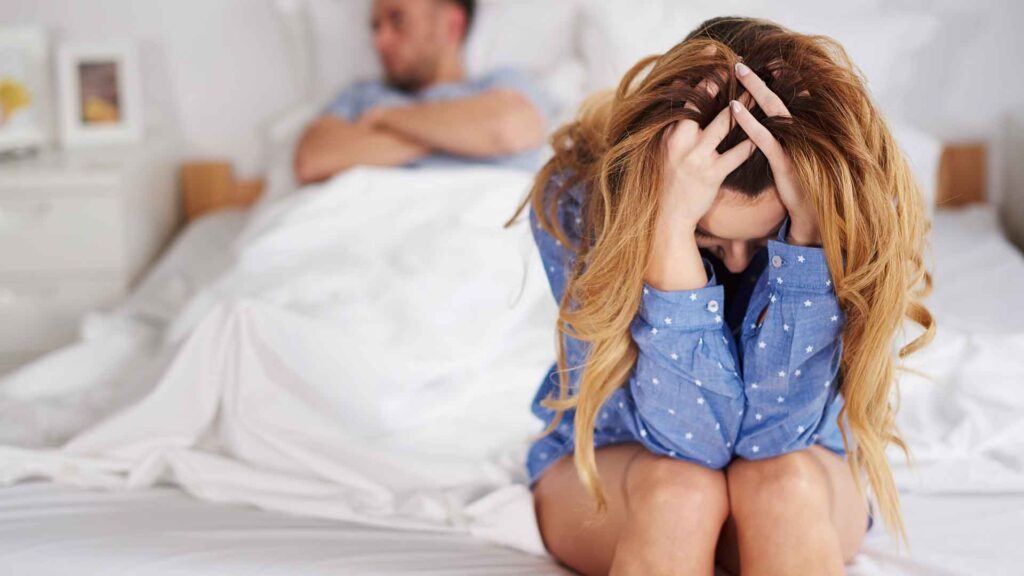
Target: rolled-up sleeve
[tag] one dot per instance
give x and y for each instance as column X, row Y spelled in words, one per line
column 685, row 392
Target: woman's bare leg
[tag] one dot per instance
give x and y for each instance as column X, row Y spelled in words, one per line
column 798, row 513
column 664, row 515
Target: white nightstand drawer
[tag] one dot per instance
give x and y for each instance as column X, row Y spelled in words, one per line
column 60, row 233
column 44, row 314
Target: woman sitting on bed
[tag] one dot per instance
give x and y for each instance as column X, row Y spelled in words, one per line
column 753, row 242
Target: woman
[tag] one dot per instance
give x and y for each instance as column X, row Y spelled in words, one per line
column 753, row 241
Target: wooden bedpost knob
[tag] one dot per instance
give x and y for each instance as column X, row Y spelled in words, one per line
column 210, row 185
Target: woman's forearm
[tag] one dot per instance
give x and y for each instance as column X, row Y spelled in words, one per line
column 676, row 263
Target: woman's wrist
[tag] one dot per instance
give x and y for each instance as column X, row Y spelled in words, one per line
column 802, row 234
column 676, row 263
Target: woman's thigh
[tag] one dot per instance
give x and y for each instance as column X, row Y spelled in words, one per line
column 566, row 513
column 848, row 509
column 635, row 481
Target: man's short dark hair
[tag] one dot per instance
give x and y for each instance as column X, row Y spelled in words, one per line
column 469, row 7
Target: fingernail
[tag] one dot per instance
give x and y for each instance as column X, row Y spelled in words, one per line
column 736, row 106
column 741, row 69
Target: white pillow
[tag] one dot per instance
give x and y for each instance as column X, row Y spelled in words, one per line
column 923, row 152
column 617, row 33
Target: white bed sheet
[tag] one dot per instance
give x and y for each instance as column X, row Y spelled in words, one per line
column 47, row 529
column 51, row 530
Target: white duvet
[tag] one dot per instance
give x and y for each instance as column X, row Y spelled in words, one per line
column 366, row 349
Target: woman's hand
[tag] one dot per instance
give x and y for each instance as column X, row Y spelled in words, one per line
column 803, row 219
column 693, row 170
column 692, row 174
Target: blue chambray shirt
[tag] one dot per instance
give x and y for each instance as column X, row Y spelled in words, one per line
column 701, row 390
column 353, row 101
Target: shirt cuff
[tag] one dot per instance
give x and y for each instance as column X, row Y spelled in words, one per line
column 701, row 308
column 797, row 267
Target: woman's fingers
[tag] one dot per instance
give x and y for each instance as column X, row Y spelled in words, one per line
column 733, row 157
column 757, row 133
column 765, row 98
column 683, row 134
column 708, row 87
column 716, row 131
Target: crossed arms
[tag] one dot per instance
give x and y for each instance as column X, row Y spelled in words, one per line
column 495, row 122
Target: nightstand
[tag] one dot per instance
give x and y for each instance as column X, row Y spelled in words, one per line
column 77, row 228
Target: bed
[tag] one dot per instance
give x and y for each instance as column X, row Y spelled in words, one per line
column 52, row 530
column 202, row 426
column 957, row 525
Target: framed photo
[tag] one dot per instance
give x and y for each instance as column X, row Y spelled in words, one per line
column 24, row 88
column 100, row 100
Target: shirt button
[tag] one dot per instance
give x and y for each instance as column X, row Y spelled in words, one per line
column 777, row 261
column 713, row 306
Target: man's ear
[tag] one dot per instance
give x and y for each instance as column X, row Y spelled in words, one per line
column 455, row 23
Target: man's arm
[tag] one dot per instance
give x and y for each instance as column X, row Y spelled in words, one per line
column 331, row 144
column 496, row 122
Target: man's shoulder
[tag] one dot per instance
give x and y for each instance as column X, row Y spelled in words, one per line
column 363, row 86
column 504, row 76
column 352, row 100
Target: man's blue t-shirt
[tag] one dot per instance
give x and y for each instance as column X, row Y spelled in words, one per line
column 353, row 101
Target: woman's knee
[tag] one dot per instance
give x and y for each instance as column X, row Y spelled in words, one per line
column 662, row 485
column 782, row 482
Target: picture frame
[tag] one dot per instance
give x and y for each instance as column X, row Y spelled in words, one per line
column 25, row 98
column 100, row 98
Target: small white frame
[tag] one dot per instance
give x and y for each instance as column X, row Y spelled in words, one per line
column 32, row 42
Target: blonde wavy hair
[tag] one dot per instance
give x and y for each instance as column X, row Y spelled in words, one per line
column 872, row 220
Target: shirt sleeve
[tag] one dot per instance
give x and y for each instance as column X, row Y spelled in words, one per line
column 349, row 104
column 516, row 79
column 791, row 359
column 684, row 395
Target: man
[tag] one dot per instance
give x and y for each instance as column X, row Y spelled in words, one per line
column 426, row 111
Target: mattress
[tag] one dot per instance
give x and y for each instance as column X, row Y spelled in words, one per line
column 50, row 529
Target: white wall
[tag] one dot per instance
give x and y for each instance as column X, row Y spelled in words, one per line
column 217, row 71
column 213, row 71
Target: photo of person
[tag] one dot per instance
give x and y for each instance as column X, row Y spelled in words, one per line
column 98, row 94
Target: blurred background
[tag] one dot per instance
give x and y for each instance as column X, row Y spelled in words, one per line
column 218, row 72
